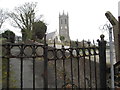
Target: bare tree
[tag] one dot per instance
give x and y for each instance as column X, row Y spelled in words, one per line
column 3, row 17
column 24, row 17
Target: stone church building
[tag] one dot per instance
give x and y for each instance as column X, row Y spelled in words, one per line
column 53, row 35
column 63, row 29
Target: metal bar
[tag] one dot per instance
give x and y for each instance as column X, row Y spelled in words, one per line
column 55, row 66
column 78, row 65
column 90, row 64
column 33, row 73
column 64, row 73
column 119, row 34
column 71, row 72
column 95, row 66
column 84, row 65
column 21, row 74
column 45, row 64
column 95, row 71
column 8, row 73
column 71, row 56
column 8, row 66
column 33, row 66
column 21, row 67
column 102, row 57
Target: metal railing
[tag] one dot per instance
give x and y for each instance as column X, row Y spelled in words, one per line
column 78, row 67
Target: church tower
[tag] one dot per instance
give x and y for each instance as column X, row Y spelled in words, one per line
column 64, row 26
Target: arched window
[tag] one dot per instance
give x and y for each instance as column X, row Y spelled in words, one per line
column 65, row 27
column 65, row 21
column 61, row 21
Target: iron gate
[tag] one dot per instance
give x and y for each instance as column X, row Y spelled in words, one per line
column 73, row 67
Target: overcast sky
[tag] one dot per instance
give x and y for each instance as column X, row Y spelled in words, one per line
column 85, row 16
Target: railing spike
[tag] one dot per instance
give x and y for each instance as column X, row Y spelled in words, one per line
column 54, row 43
column 70, row 44
column 93, row 42
column 77, row 42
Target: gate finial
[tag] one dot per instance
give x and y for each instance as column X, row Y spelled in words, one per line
column 102, row 37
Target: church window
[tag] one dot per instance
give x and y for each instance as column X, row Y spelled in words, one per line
column 61, row 21
column 65, row 27
column 65, row 21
